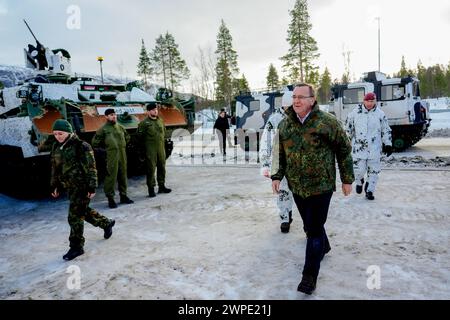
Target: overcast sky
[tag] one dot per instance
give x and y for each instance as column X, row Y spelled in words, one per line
column 113, row 29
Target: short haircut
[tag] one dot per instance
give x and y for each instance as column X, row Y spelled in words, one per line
column 312, row 91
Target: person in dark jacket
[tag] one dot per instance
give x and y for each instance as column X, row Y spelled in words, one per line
column 222, row 128
column 73, row 169
column 309, row 144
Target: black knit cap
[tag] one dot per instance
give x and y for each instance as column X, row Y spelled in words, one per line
column 151, row 106
column 109, row 111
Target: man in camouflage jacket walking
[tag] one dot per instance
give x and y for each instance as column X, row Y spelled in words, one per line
column 73, row 169
column 309, row 143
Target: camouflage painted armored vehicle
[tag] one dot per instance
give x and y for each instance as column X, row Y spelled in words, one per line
column 27, row 113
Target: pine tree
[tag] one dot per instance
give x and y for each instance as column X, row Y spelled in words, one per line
column 144, row 68
column 324, row 87
column 167, row 61
column 177, row 68
column 240, row 85
column 273, row 81
column 447, row 80
column 284, row 81
column 159, row 59
column 313, row 78
column 403, row 72
column 438, row 72
column 226, row 66
column 422, row 76
column 298, row 62
column 345, row 78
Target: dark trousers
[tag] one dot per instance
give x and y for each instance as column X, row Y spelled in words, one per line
column 314, row 212
column 222, row 137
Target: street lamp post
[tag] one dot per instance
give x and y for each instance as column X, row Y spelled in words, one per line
column 100, row 59
column 379, row 50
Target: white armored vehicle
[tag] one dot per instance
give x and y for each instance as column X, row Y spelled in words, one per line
column 399, row 98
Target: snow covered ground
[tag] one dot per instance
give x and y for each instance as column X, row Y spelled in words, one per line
column 216, row 236
column 440, row 119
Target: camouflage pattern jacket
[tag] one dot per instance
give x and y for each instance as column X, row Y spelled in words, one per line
column 368, row 131
column 73, row 165
column 267, row 139
column 307, row 153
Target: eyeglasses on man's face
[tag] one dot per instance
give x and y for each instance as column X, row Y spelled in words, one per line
column 301, row 97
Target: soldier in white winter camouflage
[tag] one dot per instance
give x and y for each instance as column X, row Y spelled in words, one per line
column 369, row 131
column 284, row 197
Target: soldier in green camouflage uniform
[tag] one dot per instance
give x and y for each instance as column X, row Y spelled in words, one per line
column 151, row 135
column 73, row 169
column 114, row 138
column 309, row 142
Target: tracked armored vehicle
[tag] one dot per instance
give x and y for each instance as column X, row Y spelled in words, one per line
column 28, row 111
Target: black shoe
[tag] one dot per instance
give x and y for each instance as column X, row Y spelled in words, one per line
column 163, row 189
column 108, row 229
column 359, row 188
column 151, row 193
column 111, row 203
column 369, row 196
column 307, row 285
column 326, row 248
column 285, row 226
column 73, row 253
column 126, row 200
column 366, row 186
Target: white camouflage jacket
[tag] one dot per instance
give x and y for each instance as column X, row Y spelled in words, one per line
column 368, row 131
column 266, row 142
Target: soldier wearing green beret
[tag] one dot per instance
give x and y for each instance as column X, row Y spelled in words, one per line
column 73, row 169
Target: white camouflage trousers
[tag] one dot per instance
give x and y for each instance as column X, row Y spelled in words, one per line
column 372, row 167
column 284, row 201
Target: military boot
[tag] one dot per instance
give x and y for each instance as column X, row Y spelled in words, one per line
column 163, row 189
column 73, row 253
column 108, row 229
column 151, row 192
column 307, row 285
column 359, row 188
column 125, row 200
column 111, row 203
column 369, row 195
column 326, row 248
column 285, row 226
